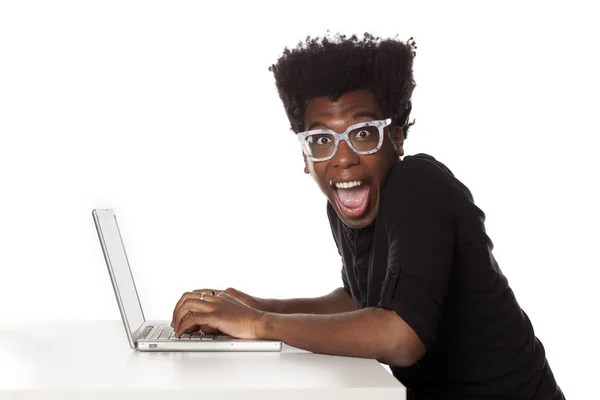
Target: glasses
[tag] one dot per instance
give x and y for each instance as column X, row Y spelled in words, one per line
column 363, row 138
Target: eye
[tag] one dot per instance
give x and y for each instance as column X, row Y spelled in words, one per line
column 322, row 140
column 363, row 134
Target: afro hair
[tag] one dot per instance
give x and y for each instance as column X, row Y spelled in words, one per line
column 331, row 68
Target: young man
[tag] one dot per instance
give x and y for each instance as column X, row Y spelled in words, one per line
column 417, row 263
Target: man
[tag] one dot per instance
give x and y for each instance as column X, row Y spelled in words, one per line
column 417, row 263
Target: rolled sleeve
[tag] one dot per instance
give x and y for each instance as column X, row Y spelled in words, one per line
column 421, row 237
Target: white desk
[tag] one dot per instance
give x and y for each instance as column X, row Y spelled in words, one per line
column 93, row 360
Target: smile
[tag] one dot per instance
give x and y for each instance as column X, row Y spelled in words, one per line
column 352, row 197
column 346, row 185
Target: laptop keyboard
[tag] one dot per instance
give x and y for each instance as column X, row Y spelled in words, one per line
column 165, row 332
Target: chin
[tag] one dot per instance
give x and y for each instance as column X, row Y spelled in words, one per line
column 360, row 222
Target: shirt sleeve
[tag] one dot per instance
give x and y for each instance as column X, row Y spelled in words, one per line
column 420, row 227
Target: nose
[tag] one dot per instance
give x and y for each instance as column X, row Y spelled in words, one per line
column 344, row 156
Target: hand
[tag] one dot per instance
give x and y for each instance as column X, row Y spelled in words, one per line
column 251, row 301
column 220, row 313
column 248, row 300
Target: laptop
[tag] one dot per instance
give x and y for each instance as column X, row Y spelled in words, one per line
column 155, row 336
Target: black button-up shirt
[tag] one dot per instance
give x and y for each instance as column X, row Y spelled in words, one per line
column 427, row 257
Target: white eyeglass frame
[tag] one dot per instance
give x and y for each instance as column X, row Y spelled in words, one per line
column 380, row 124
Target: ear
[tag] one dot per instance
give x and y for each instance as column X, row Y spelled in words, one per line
column 306, row 171
column 398, row 137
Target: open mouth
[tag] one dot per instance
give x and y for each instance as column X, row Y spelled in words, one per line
column 352, row 198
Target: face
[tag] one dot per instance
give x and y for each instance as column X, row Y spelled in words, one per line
column 346, row 165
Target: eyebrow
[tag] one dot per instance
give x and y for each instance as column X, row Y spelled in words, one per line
column 356, row 116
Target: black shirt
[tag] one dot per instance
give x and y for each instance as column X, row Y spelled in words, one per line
column 427, row 257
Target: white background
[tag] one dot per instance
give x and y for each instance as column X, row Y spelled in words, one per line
column 119, row 104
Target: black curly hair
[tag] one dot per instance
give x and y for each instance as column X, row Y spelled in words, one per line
column 331, row 68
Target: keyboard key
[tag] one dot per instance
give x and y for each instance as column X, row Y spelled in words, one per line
column 207, row 337
column 186, row 336
column 146, row 332
column 152, row 332
column 166, row 333
column 222, row 337
column 196, row 336
column 156, row 333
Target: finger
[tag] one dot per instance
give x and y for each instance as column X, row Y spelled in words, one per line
column 226, row 297
column 231, row 291
column 194, row 296
column 207, row 329
column 207, row 291
column 194, row 320
column 185, row 296
column 236, row 294
column 211, row 299
column 191, row 305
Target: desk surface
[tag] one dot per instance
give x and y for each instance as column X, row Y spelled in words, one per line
column 92, row 359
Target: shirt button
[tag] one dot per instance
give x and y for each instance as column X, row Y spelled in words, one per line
column 393, row 271
column 359, row 261
column 361, row 287
column 349, row 236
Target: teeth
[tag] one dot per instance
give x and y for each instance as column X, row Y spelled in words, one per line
column 348, row 185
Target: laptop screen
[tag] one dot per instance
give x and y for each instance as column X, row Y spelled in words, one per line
column 121, row 273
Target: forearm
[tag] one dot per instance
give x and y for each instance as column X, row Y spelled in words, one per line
column 292, row 306
column 363, row 333
column 335, row 302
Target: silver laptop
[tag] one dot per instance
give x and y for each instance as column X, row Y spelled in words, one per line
column 150, row 336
